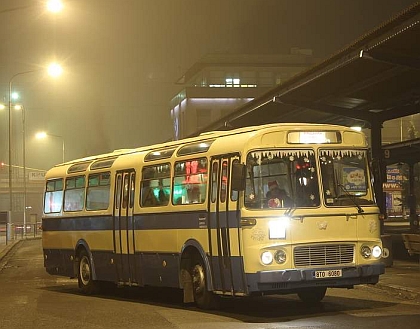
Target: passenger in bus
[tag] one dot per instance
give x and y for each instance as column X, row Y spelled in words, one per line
column 163, row 197
column 277, row 197
column 148, row 198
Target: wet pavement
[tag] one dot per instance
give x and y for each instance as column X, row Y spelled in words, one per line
column 401, row 278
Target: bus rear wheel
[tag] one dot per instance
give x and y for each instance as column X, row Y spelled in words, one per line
column 203, row 298
column 86, row 283
column 312, row 295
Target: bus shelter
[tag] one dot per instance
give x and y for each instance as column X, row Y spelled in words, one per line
column 372, row 80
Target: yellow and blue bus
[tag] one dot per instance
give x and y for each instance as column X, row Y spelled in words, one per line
column 272, row 209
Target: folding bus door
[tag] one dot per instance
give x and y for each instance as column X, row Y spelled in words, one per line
column 124, row 242
column 224, row 233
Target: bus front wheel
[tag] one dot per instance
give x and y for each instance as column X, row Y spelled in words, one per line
column 312, row 295
column 86, row 283
column 203, row 298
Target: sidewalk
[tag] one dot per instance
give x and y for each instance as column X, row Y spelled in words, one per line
column 5, row 248
column 402, row 279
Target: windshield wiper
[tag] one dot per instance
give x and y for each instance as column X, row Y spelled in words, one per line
column 352, row 198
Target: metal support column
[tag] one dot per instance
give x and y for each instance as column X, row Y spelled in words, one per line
column 414, row 222
column 379, row 169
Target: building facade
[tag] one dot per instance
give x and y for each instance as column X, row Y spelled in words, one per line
column 32, row 191
column 220, row 83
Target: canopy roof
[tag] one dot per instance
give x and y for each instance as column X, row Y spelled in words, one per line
column 374, row 79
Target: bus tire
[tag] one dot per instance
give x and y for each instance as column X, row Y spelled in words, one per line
column 203, row 298
column 312, row 295
column 84, row 275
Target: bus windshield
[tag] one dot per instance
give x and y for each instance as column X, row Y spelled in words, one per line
column 280, row 178
column 344, row 177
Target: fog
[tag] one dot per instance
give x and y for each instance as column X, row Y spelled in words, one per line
column 121, row 59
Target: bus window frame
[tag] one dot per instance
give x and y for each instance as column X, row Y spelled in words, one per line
column 99, row 186
column 75, row 188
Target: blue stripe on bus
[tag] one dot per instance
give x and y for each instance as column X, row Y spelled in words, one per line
column 157, row 221
column 97, row 223
column 148, row 268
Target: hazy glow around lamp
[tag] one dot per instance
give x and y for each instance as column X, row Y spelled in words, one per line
column 55, row 6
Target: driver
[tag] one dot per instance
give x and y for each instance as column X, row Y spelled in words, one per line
column 277, row 197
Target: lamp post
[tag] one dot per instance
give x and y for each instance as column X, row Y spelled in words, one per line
column 43, row 135
column 54, row 70
column 10, row 145
column 20, row 107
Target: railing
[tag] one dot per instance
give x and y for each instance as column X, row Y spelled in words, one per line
column 18, row 231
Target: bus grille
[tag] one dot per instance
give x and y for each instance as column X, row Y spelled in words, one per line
column 317, row 255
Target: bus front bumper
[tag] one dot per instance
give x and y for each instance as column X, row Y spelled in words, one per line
column 285, row 281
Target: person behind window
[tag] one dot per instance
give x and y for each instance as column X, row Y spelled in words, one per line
column 163, row 196
column 277, row 197
column 148, row 198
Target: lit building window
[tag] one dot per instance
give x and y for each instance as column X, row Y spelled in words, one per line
column 233, row 82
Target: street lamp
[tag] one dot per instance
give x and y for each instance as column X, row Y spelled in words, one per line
column 53, row 68
column 43, row 135
column 54, row 6
column 20, row 107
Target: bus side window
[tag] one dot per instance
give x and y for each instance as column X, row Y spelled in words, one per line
column 118, row 192
column 53, row 199
column 190, row 181
column 155, row 185
column 224, row 185
column 125, row 192
column 214, row 176
column 98, row 191
column 234, row 194
column 74, row 193
column 132, row 185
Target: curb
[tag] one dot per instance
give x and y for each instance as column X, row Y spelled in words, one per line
column 398, row 291
column 8, row 248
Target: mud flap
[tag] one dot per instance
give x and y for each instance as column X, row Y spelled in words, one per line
column 188, row 286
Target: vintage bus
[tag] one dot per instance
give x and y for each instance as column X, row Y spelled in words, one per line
column 272, row 209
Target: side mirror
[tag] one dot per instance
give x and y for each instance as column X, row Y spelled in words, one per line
column 238, row 177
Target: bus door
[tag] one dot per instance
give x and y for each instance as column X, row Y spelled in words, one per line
column 224, row 233
column 123, row 232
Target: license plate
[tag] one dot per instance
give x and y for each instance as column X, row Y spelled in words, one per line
column 328, row 274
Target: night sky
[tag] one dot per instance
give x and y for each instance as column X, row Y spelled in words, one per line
column 122, row 58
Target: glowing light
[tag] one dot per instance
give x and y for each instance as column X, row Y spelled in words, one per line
column 277, row 228
column 376, row 252
column 266, row 258
column 220, row 100
column 41, row 135
column 55, row 70
column 15, row 95
column 55, row 6
column 308, row 137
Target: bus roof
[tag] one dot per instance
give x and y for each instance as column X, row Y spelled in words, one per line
column 206, row 136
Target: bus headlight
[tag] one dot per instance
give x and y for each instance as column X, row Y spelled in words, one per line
column 266, row 258
column 376, row 251
column 280, row 256
column 366, row 251
column 277, row 228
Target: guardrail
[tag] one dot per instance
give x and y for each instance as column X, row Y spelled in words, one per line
column 16, row 231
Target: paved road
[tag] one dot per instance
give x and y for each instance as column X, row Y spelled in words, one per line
column 30, row 298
